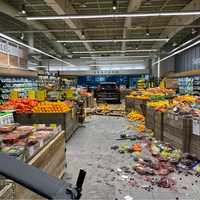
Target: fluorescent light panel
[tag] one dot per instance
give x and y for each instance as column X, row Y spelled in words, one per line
column 117, row 15
column 116, row 40
column 177, row 52
column 33, row 48
column 112, row 57
column 115, row 51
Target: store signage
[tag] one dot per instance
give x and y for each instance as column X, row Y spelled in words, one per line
column 13, row 50
column 102, row 72
column 196, row 61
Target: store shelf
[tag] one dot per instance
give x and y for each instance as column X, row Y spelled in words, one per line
column 185, row 74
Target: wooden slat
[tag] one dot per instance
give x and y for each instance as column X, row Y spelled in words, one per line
column 50, row 159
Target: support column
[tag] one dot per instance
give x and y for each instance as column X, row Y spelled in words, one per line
column 30, row 41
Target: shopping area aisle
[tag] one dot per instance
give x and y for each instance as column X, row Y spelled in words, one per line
column 90, row 149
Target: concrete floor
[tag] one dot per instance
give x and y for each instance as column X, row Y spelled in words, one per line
column 89, row 149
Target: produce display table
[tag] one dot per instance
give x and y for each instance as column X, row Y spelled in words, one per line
column 50, row 158
column 68, row 120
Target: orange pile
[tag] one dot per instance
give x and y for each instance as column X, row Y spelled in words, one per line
column 50, row 107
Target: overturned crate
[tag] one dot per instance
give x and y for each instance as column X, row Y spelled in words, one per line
column 150, row 118
column 195, row 137
column 177, row 131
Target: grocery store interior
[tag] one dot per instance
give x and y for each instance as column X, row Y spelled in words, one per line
column 100, row 99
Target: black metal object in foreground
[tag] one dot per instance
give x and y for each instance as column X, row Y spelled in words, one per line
column 39, row 181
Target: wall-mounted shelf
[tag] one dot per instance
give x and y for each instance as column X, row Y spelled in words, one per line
column 17, row 72
column 195, row 72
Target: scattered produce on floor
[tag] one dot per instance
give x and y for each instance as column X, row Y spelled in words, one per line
column 135, row 116
column 104, row 108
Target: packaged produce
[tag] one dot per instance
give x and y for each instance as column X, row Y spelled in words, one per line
column 7, row 128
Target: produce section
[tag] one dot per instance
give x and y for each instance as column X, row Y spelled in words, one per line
column 108, row 88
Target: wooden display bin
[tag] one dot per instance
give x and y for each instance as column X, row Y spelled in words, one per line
column 159, row 125
column 195, row 138
column 90, row 102
column 150, row 118
column 68, row 120
column 51, row 159
column 129, row 104
column 140, row 106
column 177, row 131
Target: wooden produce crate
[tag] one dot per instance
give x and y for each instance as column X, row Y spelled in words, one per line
column 68, row 120
column 159, row 125
column 195, row 138
column 140, row 106
column 90, row 102
column 177, row 131
column 129, row 104
column 150, row 118
column 50, row 159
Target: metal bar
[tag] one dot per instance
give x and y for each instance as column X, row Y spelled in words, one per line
column 95, row 29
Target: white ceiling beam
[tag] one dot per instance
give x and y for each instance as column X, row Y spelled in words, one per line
column 133, row 5
column 12, row 12
column 59, row 7
column 171, row 31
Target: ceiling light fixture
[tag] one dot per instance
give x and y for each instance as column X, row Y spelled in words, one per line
column 23, row 11
column 177, row 52
column 114, row 6
column 116, row 15
column 117, row 40
column 83, row 33
column 174, row 44
column 112, row 57
column 115, row 51
column 147, row 32
column 33, row 48
column 22, row 36
column 194, row 31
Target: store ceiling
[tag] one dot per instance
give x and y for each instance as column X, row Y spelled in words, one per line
column 48, row 31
